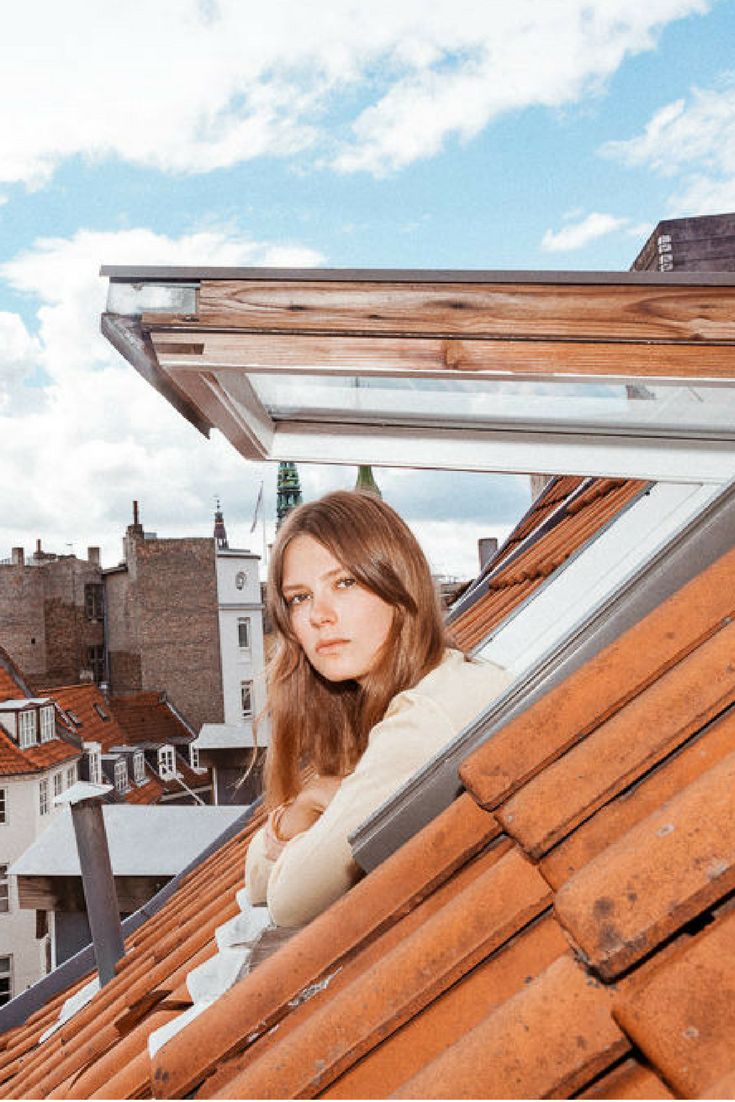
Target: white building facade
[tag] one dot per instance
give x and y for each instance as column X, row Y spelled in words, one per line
column 27, row 793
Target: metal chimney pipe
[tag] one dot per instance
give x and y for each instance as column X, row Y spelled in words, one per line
column 98, row 883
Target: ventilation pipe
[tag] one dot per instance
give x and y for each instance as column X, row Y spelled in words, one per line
column 98, row 882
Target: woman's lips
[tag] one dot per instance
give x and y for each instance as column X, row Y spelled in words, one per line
column 330, row 646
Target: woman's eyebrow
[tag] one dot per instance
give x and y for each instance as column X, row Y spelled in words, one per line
column 303, row 585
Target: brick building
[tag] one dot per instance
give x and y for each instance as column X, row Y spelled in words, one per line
column 51, row 615
column 162, row 622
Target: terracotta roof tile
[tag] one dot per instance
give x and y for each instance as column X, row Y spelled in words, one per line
column 662, row 873
column 592, row 694
column 446, row 1020
column 446, row 946
column 558, row 525
column 682, row 1016
column 703, row 751
column 622, row 748
column 629, row 1079
column 446, row 972
column 84, row 701
column 147, row 717
column 12, row 758
column 546, row 1041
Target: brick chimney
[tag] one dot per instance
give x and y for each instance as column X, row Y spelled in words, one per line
column 18, row 556
column 93, row 555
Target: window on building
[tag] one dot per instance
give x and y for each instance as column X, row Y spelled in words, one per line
column 27, row 728
column 246, row 696
column 96, row 662
column 3, row 805
column 74, row 717
column 4, row 889
column 121, row 776
column 48, row 724
column 93, row 601
column 166, row 760
column 139, row 767
column 43, row 796
column 58, row 784
column 243, row 632
column 193, row 755
column 101, row 711
column 6, row 980
column 94, row 765
column 71, row 775
column 240, row 579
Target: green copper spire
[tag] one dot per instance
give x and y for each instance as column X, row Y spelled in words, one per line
column 366, row 481
column 289, row 491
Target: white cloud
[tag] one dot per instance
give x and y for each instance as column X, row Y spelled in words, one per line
column 187, row 86
column 693, row 141
column 576, row 235
column 77, row 450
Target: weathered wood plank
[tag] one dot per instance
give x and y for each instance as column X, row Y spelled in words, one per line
column 510, row 310
column 350, row 355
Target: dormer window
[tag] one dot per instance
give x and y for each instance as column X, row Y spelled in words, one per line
column 94, row 763
column 166, row 761
column 121, row 776
column 74, row 717
column 48, row 726
column 100, row 711
column 139, row 767
column 27, row 729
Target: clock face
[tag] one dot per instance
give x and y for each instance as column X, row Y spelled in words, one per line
column 240, row 579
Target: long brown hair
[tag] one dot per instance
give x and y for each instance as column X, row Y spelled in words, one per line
column 322, row 723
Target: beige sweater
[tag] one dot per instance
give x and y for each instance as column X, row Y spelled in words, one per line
column 316, row 867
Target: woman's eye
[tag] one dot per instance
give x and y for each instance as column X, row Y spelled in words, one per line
column 346, row 582
column 296, row 599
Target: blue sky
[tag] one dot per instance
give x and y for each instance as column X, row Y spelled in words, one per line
column 397, row 134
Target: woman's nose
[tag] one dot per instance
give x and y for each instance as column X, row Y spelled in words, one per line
column 322, row 609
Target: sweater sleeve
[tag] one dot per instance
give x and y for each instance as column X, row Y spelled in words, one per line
column 317, row 867
column 257, row 869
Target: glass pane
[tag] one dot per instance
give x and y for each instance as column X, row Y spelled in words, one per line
column 486, row 403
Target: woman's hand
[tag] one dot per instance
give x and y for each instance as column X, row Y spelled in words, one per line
column 308, row 806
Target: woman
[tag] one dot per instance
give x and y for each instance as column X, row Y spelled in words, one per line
column 362, row 689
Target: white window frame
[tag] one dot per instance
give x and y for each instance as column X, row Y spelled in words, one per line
column 47, row 722
column 27, row 728
column 95, row 766
column 71, row 775
column 4, row 890
column 43, row 804
column 58, row 783
column 4, row 800
column 139, row 767
column 244, row 622
column 166, row 762
column 194, row 756
column 121, row 776
column 6, row 973
column 246, row 699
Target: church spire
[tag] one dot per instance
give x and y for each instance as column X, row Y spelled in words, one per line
column 220, row 532
column 289, row 491
column 366, row 481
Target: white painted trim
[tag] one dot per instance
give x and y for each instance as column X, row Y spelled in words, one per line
column 589, row 578
column 650, row 458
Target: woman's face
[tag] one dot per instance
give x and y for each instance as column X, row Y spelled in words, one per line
column 340, row 625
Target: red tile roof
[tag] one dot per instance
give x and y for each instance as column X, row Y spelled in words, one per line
column 33, row 759
column 148, row 717
column 569, row 513
column 566, row 926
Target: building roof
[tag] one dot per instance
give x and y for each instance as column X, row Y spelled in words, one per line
column 143, row 841
column 41, row 756
column 568, row 514
column 147, row 717
column 536, row 939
